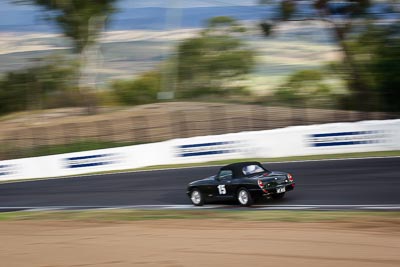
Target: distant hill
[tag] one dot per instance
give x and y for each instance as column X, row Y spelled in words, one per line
column 151, row 14
column 296, row 47
column 147, row 18
column 155, row 18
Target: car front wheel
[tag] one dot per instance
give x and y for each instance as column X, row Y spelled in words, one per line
column 244, row 197
column 196, row 197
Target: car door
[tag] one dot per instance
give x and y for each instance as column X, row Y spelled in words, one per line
column 223, row 185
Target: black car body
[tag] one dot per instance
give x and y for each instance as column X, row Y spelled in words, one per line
column 244, row 181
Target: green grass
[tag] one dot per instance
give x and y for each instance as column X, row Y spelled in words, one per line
column 251, row 215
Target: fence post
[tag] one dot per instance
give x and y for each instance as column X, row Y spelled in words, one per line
column 252, row 117
column 210, row 120
column 110, row 129
column 265, row 118
column 133, row 129
column 182, row 123
column 77, row 138
column 305, row 118
column 143, row 129
column 219, row 118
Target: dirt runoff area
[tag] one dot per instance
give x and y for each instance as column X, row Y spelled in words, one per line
column 206, row 242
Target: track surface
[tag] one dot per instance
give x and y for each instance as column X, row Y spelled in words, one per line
column 336, row 182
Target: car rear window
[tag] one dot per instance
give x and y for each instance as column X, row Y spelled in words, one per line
column 252, row 169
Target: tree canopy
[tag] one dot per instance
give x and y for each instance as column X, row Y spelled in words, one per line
column 32, row 88
column 377, row 53
column 342, row 18
column 215, row 60
column 81, row 21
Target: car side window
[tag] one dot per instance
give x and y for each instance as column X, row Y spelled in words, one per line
column 225, row 175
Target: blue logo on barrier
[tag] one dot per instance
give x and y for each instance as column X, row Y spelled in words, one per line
column 346, row 138
column 90, row 161
column 204, row 149
column 7, row 170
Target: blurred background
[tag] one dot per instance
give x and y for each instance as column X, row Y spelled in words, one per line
column 79, row 75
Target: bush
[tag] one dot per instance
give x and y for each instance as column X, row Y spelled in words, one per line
column 142, row 90
column 32, row 87
column 306, row 88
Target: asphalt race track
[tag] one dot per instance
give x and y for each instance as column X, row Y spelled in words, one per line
column 333, row 182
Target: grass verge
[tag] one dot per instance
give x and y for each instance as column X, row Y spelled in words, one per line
column 242, row 215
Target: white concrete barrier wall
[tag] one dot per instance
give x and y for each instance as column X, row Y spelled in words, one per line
column 291, row 141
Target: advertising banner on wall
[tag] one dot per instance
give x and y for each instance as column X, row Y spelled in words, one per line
column 332, row 138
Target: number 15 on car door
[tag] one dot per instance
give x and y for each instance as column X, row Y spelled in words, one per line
column 221, row 189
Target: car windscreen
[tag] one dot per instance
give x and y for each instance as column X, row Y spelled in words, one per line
column 252, row 169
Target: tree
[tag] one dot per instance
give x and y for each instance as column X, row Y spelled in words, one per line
column 386, row 67
column 342, row 17
column 214, row 62
column 81, row 21
column 377, row 52
column 33, row 87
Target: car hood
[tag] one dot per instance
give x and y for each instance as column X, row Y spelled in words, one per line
column 202, row 180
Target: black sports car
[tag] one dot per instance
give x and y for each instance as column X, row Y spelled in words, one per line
column 245, row 181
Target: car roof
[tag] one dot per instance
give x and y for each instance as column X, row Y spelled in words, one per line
column 237, row 168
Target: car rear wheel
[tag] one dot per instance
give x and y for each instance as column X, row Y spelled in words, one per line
column 278, row 196
column 196, row 197
column 244, row 197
